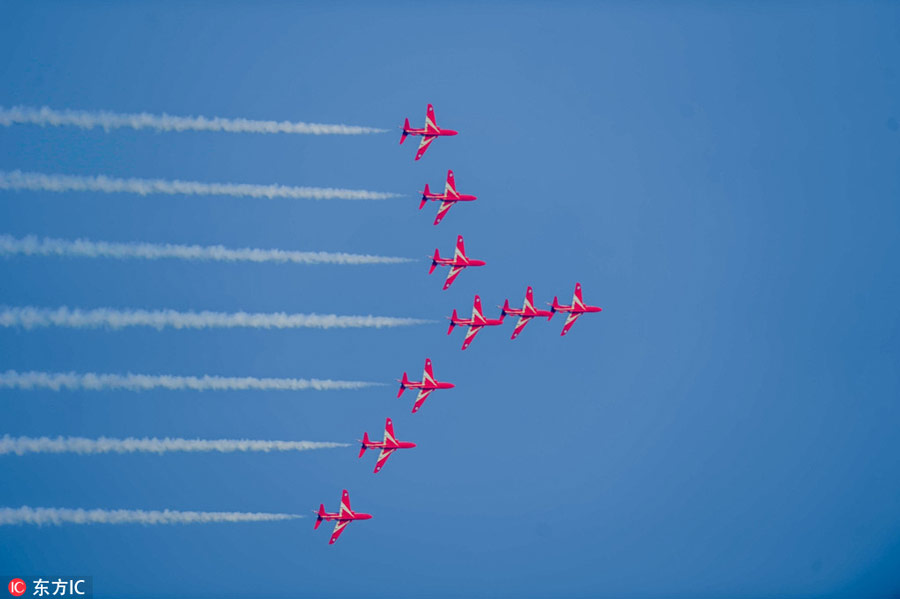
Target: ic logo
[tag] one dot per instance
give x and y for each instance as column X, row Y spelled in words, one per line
column 16, row 587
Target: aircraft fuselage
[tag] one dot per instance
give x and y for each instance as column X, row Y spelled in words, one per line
column 430, row 133
column 458, row 262
column 429, row 386
column 443, row 197
column 577, row 310
column 383, row 445
column 357, row 516
column 527, row 313
column 471, row 322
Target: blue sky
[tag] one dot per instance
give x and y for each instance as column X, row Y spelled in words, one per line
column 722, row 179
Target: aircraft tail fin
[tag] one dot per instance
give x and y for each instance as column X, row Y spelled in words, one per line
column 319, row 515
column 364, row 442
column 554, row 306
column 403, row 383
column 453, row 320
column 505, row 307
column 425, row 193
column 437, row 256
column 405, row 130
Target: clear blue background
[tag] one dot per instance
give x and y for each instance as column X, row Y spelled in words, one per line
column 721, row 178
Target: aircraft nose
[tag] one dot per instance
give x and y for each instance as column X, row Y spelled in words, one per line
column 452, row 132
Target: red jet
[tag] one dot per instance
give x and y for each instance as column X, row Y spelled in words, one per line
column 425, row 388
column 577, row 308
column 428, row 132
column 475, row 324
column 447, row 199
column 387, row 447
column 527, row 312
column 458, row 262
column 343, row 517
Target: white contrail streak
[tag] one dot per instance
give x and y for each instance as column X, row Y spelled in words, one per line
column 56, row 516
column 30, row 245
column 84, row 446
column 44, row 116
column 59, row 183
column 90, row 381
column 30, row 317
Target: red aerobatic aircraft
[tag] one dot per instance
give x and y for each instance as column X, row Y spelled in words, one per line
column 343, row 517
column 458, row 262
column 577, row 308
column 527, row 312
column 447, row 199
column 475, row 324
column 425, row 388
column 428, row 132
column 387, row 447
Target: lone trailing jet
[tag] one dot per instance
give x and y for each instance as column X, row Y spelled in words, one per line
column 458, row 262
column 343, row 517
column 475, row 324
column 387, row 447
column 577, row 308
column 527, row 312
column 425, row 388
column 428, row 132
column 447, row 199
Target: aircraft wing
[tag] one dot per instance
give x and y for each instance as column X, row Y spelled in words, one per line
column 345, row 504
column 519, row 326
column 470, row 335
column 430, row 121
column 529, row 298
column 338, row 529
column 460, row 247
column 428, row 374
column 570, row 320
column 423, row 145
column 423, row 395
column 389, row 431
column 454, row 271
column 450, row 187
column 477, row 316
column 385, row 454
column 577, row 301
column 442, row 211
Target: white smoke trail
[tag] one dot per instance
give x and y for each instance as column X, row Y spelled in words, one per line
column 30, row 317
column 30, row 245
column 84, row 446
column 56, row 516
column 90, row 381
column 84, row 119
column 59, row 183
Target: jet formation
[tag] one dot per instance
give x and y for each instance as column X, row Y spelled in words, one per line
column 476, row 323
